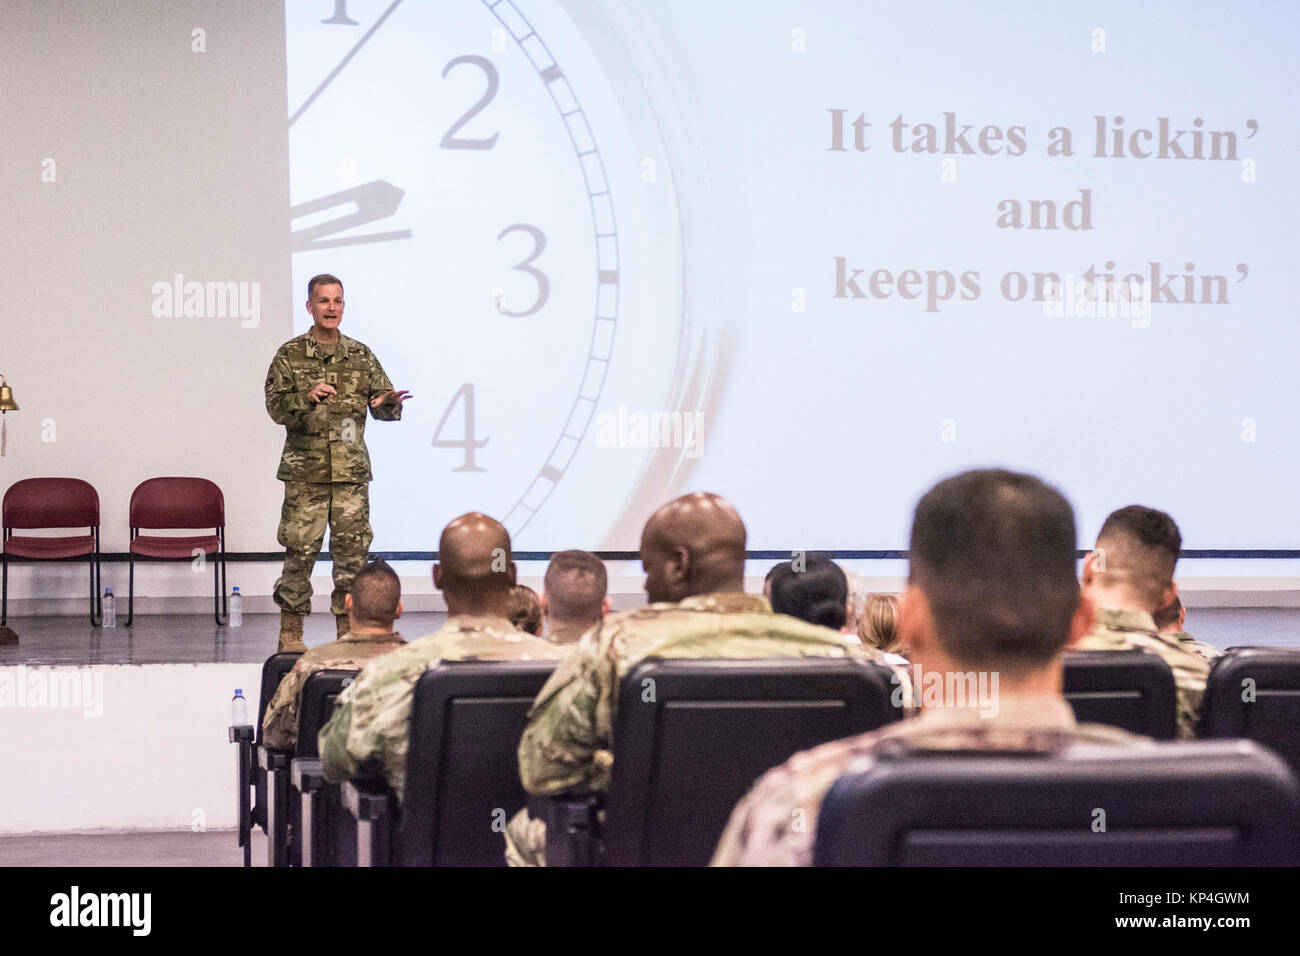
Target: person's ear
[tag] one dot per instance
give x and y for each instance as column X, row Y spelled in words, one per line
column 604, row 607
column 545, row 605
column 848, row 614
column 437, row 576
column 347, row 603
column 1081, row 621
column 512, row 574
column 678, row 568
column 398, row 615
column 1089, row 568
column 916, row 634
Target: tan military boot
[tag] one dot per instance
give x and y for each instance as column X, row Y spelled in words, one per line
column 341, row 625
column 291, row 633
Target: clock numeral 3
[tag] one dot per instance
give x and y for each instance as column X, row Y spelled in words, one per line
column 449, row 139
column 543, row 283
column 469, row 442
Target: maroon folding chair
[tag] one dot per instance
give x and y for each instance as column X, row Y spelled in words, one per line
column 51, row 503
column 179, row 503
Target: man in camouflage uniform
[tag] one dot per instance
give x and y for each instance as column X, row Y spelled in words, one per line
column 368, row 735
column 1128, row 577
column 374, row 604
column 991, row 589
column 574, row 596
column 1172, row 619
column 693, row 551
column 319, row 387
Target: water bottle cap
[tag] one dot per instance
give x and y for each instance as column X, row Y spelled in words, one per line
column 236, row 587
column 108, row 590
column 239, row 692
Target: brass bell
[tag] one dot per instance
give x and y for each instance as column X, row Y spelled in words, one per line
column 7, row 403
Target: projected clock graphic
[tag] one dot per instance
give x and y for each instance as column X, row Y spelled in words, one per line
column 506, row 226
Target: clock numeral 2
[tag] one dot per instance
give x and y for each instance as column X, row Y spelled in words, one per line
column 543, row 283
column 449, row 139
column 469, row 442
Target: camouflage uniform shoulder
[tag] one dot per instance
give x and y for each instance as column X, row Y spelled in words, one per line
column 295, row 347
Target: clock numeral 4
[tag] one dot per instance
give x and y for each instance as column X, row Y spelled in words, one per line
column 449, row 139
column 469, row 443
column 543, row 283
column 341, row 15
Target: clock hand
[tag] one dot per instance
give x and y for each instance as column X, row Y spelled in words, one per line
column 342, row 63
column 374, row 200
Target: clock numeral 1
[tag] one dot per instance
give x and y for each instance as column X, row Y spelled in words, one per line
column 449, row 139
column 469, row 442
column 543, row 283
column 341, row 15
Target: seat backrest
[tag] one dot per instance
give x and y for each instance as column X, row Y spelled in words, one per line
column 273, row 671
column 1254, row 692
column 692, row 736
column 1132, row 689
column 51, row 503
column 319, row 694
column 177, row 503
column 1214, row 803
column 462, row 766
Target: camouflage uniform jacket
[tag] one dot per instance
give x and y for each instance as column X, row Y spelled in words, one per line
column 775, row 824
column 350, row 652
column 568, row 742
column 1209, row 652
column 1122, row 630
column 368, row 734
column 325, row 442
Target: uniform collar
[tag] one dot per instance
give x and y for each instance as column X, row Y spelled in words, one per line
column 315, row 351
column 735, row 602
column 390, row 638
column 1123, row 619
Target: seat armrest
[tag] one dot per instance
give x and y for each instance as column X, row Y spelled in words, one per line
column 572, row 828
column 372, row 807
column 305, row 775
column 240, row 733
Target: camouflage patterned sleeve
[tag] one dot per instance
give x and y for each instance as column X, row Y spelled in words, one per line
column 567, row 743
column 285, row 402
column 280, row 723
column 380, row 383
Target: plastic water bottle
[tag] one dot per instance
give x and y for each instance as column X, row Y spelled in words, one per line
column 110, row 609
column 238, row 709
column 236, row 608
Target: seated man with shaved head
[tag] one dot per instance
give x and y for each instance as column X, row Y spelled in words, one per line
column 573, row 595
column 992, row 601
column 1129, row 576
column 693, row 552
column 368, row 734
column 372, row 606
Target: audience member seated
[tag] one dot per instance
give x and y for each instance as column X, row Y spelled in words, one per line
column 525, row 610
column 573, row 595
column 877, row 625
column 367, row 736
column 1129, row 576
column 693, row 552
column 812, row 588
column 1172, row 620
column 992, row 602
column 858, row 594
column 372, row 607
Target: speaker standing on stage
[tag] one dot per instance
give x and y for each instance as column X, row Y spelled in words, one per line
column 319, row 387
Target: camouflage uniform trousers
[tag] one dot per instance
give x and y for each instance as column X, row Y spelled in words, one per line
column 308, row 507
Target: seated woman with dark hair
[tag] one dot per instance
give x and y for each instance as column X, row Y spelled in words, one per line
column 812, row 588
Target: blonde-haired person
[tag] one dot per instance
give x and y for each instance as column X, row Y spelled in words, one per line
column 878, row 625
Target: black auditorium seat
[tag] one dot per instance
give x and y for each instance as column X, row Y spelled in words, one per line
column 1133, row 690
column 1254, row 692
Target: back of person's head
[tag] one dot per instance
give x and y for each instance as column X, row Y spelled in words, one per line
column 878, row 622
column 475, row 569
column 812, row 588
column 524, row 610
column 858, row 594
column 1170, row 617
column 993, row 554
column 574, row 588
column 1137, row 550
column 376, row 595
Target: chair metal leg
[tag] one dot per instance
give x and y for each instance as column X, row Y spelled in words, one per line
column 4, row 588
column 220, row 603
column 96, row 602
column 130, row 590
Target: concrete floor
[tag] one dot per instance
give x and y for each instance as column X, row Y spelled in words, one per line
column 142, row 848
